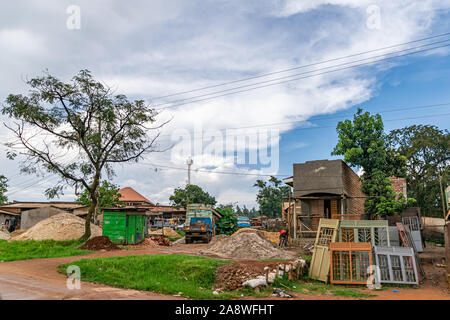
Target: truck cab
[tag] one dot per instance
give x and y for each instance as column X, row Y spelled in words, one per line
column 243, row 222
column 200, row 223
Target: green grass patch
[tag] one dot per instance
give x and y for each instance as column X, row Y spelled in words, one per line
column 306, row 257
column 181, row 232
column 435, row 242
column 169, row 274
column 171, row 239
column 312, row 287
column 30, row 249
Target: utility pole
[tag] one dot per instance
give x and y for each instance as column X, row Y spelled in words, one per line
column 189, row 162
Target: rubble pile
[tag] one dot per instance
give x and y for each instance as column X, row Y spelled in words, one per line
column 63, row 226
column 160, row 240
column 232, row 276
column 99, row 243
column 247, row 245
column 256, row 273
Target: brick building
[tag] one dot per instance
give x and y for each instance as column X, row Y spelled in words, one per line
column 322, row 189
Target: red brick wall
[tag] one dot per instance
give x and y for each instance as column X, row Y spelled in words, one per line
column 352, row 185
column 316, row 207
column 399, row 185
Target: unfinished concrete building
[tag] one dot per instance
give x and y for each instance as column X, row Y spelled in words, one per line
column 322, row 189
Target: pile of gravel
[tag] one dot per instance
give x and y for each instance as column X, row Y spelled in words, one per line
column 247, row 245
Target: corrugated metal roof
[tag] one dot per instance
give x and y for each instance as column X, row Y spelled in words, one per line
column 24, row 204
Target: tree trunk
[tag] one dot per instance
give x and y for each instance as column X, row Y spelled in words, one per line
column 92, row 208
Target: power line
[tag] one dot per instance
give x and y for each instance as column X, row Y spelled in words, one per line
column 215, row 172
column 317, row 127
column 388, row 110
column 268, row 175
column 40, row 181
column 302, row 73
column 233, row 173
column 218, row 172
column 300, row 67
column 295, row 79
column 31, row 185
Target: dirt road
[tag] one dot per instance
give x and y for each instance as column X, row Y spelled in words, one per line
column 39, row 279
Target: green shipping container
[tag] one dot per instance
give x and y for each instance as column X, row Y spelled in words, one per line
column 124, row 227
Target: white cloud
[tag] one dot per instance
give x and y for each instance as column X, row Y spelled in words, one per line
column 151, row 50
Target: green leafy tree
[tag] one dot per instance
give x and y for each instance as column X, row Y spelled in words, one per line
column 3, row 189
column 82, row 117
column 363, row 143
column 108, row 197
column 228, row 224
column 270, row 196
column 427, row 152
column 191, row 194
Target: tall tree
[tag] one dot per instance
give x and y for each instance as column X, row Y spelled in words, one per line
column 270, row 196
column 427, row 152
column 3, row 189
column 82, row 117
column 364, row 144
column 191, row 194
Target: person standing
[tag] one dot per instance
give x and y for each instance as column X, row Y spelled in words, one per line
column 283, row 238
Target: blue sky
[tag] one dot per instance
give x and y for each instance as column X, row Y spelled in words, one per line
column 422, row 81
column 150, row 49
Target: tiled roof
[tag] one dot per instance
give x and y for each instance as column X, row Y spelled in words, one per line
column 129, row 194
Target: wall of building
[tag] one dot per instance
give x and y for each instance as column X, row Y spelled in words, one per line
column 316, row 207
column 352, row 186
column 31, row 217
column 319, row 176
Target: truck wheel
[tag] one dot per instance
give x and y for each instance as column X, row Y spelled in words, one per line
column 188, row 240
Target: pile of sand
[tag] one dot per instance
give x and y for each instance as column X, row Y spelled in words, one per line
column 63, row 226
column 167, row 232
column 271, row 236
column 99, row 243
column 15, row 233
column 247, row 245
column 4, row 233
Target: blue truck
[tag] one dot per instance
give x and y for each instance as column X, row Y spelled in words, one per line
column 243, row 222
column 200, row 223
